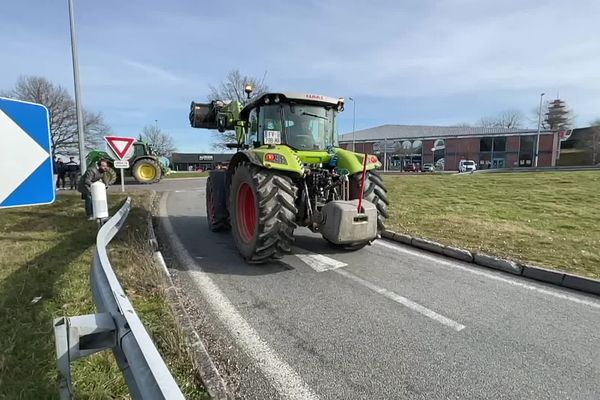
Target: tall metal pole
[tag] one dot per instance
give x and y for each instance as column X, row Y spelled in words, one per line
column 353, row 124
column 78, row 107
column 537, row 141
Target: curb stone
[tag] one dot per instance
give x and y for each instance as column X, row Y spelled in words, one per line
column 534, row 272
column 497, row 263
column 428, row 245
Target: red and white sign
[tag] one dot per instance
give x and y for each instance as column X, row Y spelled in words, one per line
column 121, row 146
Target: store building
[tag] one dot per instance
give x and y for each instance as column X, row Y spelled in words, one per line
column 402, row 145
column 196, row 161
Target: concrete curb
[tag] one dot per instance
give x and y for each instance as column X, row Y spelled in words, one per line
column 211, row 378
column 537, row 273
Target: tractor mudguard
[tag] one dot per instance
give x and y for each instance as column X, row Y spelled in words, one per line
column 278, row 158
column 353, row 162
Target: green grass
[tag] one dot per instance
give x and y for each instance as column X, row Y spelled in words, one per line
column 192, row 174
column 550, row 219
column 46, row 251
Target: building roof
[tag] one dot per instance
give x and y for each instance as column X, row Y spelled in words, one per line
column 429, row 132
column 194, row 158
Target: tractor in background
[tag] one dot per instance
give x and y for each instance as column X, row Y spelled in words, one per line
column 289, row 172
column 145, row 166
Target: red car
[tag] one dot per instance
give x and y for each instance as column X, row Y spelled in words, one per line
column 410, row 168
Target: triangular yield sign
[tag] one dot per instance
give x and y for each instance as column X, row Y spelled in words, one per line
column 120, row 145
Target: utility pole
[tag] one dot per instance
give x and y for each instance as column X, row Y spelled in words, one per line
column 353, row 124
column 78, row 107
column 537, row 141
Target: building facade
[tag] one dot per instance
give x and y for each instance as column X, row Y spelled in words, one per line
column 399, row 146
column 196, row 161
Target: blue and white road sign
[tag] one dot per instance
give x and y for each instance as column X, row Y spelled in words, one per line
column 26, row 176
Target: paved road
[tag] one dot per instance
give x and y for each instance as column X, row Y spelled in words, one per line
column 386, row 322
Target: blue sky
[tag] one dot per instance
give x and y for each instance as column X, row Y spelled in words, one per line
column 405, row 62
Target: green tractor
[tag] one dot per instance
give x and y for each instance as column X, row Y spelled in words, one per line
column 145, row 166
column 289, row 172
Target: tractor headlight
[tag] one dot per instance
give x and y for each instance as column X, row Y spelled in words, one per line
column 267, row 100
column 276, row 100
column 275, row 158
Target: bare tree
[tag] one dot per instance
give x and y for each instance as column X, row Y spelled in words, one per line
column 511, row 119
column 232, row 88
column 162, row 142
column 63, row 118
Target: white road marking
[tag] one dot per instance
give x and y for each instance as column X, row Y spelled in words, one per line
column 475, row 271
column 285, row 380
column 320, row 263
column 404, row 301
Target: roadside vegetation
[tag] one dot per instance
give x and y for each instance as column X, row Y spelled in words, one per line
column 192, row 174
column 549, row 219
column 45, row 255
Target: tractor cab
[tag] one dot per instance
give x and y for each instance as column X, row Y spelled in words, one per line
column 304, row 122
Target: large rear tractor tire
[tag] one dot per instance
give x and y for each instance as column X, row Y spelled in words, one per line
column 261, row 205
column 375, row 192
column 147, row 171
column 216, row 201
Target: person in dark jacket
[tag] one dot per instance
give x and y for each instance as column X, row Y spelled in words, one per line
column 72, row 169
column 61, row 171
column 91, row 175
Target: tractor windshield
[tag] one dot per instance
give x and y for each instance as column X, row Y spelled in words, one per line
column 308, row 127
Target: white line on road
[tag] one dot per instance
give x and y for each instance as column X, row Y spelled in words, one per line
column 475, row 271
column 285, row 380
column 320, row 263
column 404, row 301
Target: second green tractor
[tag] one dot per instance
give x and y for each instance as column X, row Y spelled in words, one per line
column 289, row 171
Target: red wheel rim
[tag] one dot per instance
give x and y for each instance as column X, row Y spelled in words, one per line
column 246, row 212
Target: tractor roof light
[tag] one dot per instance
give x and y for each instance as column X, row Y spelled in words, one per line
column 276, row 100
column 248, row 89
column 267, row 100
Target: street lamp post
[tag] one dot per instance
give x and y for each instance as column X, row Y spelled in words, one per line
column 78, row 107
column 353, row 123
column 537, row 141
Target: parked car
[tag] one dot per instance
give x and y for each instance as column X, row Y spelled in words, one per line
column 467, row 166
column 410, row 168
column 427, row 167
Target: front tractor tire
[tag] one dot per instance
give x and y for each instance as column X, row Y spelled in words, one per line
column 263, row 211
column 147, row 171
column 375, row 192
column 216, row 202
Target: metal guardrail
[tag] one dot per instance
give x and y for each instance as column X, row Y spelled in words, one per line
column 116, row 327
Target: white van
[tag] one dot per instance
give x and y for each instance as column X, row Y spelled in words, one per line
column 467, row 166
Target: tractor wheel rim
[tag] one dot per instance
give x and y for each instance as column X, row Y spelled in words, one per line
column 147, row 172
column 246, row 212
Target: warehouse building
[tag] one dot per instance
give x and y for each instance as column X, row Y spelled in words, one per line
column 199, row 161
column 444, row 146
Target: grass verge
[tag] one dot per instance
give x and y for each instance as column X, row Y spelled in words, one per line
column 548, row 218
column 186, row 175
column 45, row 253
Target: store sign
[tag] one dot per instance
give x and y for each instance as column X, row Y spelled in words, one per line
column 206, row 157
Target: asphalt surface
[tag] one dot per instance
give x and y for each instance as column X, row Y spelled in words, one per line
column 384, row 322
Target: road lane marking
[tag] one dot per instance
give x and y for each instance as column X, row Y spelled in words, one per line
column 403, row 300
column 320, row 263
column 488, row 275
column 286, row 381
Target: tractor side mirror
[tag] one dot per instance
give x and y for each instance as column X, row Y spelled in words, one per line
column 222, row 122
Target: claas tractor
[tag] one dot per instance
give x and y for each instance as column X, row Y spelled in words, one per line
column 289, row 171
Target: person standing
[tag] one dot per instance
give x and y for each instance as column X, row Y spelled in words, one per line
column 55, row 171
column 91, row 175
column 72, row 171
column 61, row 172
